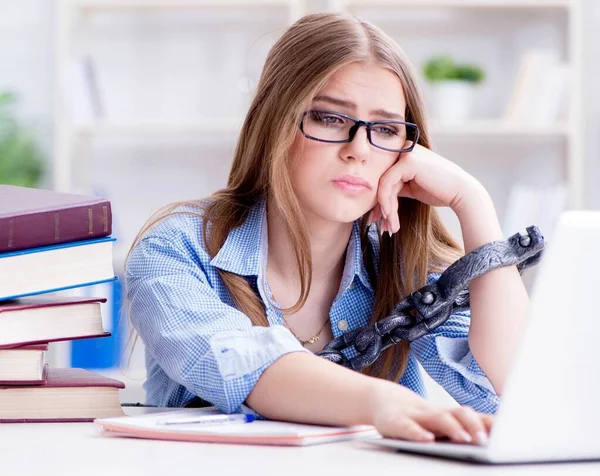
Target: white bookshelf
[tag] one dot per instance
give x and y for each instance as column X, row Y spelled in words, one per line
column 503, row 4
column 72, row 18
column 169, row 5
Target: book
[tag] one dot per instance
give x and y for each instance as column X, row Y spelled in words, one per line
column 45, row 319
column 24, row 365
column 259, row 432
column 86, row 104
column 54, row 268
column 539, row 95
column 69, row 395
column 31, row 218
column 534, row 205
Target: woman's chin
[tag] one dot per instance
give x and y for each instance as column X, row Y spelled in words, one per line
column 343, row 215
column 335, row 209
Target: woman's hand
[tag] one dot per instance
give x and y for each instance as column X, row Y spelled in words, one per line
column 424, row 176
column 400, row 413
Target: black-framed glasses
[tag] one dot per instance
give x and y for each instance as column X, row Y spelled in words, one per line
column 329, row 126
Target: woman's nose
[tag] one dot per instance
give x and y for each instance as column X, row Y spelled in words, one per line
column 358, row 148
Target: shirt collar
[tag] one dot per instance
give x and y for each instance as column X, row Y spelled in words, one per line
column 246, row 248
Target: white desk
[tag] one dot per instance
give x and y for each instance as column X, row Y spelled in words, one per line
column 78, row 449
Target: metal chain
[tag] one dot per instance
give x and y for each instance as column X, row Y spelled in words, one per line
column 429, row 307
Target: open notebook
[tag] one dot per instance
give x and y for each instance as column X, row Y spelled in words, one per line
column 258, row 432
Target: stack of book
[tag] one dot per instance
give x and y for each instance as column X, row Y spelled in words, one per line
column 52, row 242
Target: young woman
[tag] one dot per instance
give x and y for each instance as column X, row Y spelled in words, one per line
column 327, row 221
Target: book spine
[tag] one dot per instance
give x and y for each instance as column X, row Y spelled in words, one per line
column 55, row 226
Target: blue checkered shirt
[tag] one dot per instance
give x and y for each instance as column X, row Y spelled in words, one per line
column 198, row 344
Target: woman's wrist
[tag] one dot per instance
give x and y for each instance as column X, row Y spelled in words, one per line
column 477, row 217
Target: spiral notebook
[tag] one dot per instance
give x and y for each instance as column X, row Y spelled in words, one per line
column 258, row 432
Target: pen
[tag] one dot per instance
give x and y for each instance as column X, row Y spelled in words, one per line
column 210, row 419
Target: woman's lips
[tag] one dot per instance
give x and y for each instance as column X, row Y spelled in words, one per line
column 352, row 185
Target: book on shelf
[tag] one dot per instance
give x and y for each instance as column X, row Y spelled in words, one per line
column 31, row 218
column 24, row 365
column 43, row 319
column 68, row 395
column 539, row 95
column 86, row 102
column 55, row 268
column 259, row 432
column 534, row 205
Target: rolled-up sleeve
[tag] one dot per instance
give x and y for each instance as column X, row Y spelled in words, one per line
column 445, row 355
column 198, row 340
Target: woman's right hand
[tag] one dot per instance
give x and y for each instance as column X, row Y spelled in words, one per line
column 398, row 412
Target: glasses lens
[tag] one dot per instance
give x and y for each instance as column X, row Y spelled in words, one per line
column 392, row 135
column 332, row 127
column 326, row 126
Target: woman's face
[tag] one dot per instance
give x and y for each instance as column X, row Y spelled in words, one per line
column 338, row 181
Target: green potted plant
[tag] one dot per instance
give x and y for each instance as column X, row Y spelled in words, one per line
column 21, row 161
column 452, row 86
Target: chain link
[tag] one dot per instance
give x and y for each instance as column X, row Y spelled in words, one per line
column 429, row 307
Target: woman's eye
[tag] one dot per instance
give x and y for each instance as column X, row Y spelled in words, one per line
column 386, row 131
column 326, row 119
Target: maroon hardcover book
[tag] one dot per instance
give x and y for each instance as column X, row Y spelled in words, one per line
column 31, row 217
column 82, row 396
column 30, row 312
column 36, row 346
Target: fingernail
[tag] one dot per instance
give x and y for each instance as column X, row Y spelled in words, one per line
column 389, row 233
column 427, row 436
column 465, row 437
column 383, row 214
column 481, row 438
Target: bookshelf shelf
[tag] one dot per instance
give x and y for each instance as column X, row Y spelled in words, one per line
column 201, row 126
column 503, row 4
column 231, row 126
column 178, row 4
column 499, row 128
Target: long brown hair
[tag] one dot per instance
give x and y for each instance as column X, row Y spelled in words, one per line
column 297, row 67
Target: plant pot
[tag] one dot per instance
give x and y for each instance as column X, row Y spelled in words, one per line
column 452, row 101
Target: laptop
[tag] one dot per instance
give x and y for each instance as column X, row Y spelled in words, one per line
column 550, row 409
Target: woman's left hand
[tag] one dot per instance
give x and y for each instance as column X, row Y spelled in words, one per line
column 424, row 176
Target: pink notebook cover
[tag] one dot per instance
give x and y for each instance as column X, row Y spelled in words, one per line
column 257, row 432
column 268, row 440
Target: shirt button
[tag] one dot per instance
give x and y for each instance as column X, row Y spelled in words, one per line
column 342, row 325
column 351, row 285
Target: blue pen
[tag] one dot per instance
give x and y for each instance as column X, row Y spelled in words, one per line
column 210, row 419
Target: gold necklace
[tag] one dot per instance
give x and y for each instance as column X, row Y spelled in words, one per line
column 312, row 340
